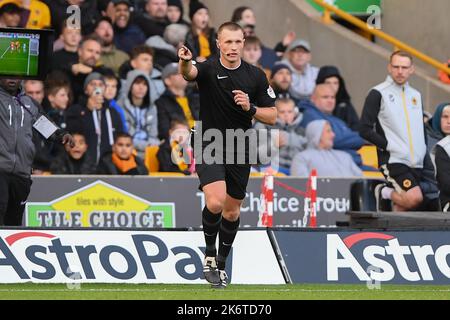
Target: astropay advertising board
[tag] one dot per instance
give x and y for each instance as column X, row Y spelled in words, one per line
column 88, row 256
column 397, row 257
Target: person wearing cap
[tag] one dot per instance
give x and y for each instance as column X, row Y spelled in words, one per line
column 175, row 12
column 176, row 102
column 153, row 21
column 344, row 109
column 201, row 39
column 127, row 34
column 10, row 15
column 304, row 75
column 93, row 117
column 280, row 81
column 140, row 112
column 111, row 57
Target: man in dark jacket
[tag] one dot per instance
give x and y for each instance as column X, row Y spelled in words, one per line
column 122, row 161
column 94, row 117
column 74, row 160
column 154, row 19
column 344, row 109
column 126, row 33
column 18, row 116
column 175, row 103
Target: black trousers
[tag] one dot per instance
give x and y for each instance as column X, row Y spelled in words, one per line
column 14, row 191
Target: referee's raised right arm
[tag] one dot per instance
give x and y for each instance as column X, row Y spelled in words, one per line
column 186, row 68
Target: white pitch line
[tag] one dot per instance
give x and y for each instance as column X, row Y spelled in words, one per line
column 212, row 290
column 5, row 52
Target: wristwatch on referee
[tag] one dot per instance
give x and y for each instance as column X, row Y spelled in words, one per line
column 252, row 111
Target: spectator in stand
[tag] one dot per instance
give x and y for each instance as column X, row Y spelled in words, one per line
column 176, row 102
column 176, row 154
column 280, row 81
column 140, row 113
column 320, row 155
column 252, row 53
column 59, row 13
column 281, row 47
column 34, row 89
column 127, row 35
column 344, row 109
column 154, row 20
column 111, row 57
column 291, row 137
column 112, row 87
column 438, row 127
column 304, row 75
column 94, row 117
column 142, row 60
column 122, row 161
column 88, row 62
column 165, row 53
column 58, row 98
column 64, row 58
column 323, row 102
column 245, row 17
column 443, row 76
column 175, row 12
column 10, row 15
column 54, row 102
column 442, row 160
column 74, row 160
column 201, row 39
column 175, row 34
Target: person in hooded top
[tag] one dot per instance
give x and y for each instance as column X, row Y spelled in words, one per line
column 140, row 113
column 320, row 155
column 438, row 127
column 344, row 109
column 442, row 159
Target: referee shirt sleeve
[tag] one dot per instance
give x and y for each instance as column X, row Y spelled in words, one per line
column 202, row 69
column 265, row 96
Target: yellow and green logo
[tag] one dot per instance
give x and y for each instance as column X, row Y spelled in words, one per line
column 100, row 205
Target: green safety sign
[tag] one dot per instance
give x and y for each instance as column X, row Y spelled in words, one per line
column 357, row 7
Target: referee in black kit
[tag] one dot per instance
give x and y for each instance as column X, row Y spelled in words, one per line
column 232, row 92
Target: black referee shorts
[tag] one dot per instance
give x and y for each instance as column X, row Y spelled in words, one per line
column 235, row 177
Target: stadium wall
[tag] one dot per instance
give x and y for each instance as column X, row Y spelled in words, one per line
column 362, row 63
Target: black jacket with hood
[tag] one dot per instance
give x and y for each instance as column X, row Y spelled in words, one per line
column 344, row 109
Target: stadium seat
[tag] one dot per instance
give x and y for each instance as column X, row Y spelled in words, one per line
column 166, row 174
column 369, row 155
column 151, row 160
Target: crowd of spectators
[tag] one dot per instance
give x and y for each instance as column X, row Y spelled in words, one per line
column 114, row 84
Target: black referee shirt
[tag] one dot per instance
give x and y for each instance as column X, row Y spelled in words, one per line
column 216, row 83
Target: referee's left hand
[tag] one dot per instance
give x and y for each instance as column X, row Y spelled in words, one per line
column 242, row 99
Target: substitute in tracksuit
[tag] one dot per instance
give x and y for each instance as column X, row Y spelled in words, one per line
column 392, row 119
column 18, row 113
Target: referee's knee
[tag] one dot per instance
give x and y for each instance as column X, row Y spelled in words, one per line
column 215, row 204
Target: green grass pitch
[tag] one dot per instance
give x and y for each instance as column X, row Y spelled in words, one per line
column 16, row 61
column 233, row 292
